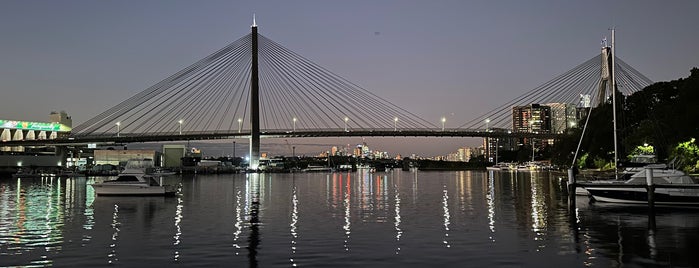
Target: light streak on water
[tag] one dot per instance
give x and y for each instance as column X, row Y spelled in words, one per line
column 347, row 226
column 238, row 222
column 397, row 218
column 491, row 205
column 447, row 216
column 178, row 222
column 112, row 256
column 294, row 221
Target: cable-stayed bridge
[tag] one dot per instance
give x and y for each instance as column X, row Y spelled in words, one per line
column 255, row 87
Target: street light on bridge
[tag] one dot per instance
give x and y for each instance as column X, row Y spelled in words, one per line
column 240, row 124
column 487, row 121
column 181, row 121
column 444, row 120
column 395, row 123
column 294, row 123
column 346, row 119
column 118, row 128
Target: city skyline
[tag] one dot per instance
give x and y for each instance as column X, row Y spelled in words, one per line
column 466, row 57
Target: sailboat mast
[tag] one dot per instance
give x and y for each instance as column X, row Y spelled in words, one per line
column 613, row 77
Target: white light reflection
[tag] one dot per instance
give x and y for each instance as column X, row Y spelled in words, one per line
column 238, row 223
column 445, row 206
column 178, row 221
column 112, row 258
column 399, row 232
column 294, row 221
column 89, row 211
column 347, row 225
column 538, row 211
column 491, row 205
column 652, row 246
column 415, row 187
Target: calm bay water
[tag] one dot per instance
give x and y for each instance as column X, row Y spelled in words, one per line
column 398, row 218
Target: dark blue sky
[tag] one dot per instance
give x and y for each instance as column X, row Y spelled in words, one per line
column 434, row 58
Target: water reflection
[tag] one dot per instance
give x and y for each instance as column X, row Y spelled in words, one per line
column 254, row 238
column 178, row 223
column 238, row 225
column 348, row 222
column 111, row 257
column 32, row 213
column 445, row 208
column 294, row 222
column 397, row 219
column 538, row 206
column 490, row 199
column 488, row 219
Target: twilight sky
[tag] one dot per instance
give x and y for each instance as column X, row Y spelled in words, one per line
column 434, row 58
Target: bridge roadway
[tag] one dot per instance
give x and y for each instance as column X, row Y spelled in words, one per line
column 124, row 138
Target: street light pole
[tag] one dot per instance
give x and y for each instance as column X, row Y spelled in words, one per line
column 240, row 124
column 118, row 128
column 395, row 124
column 180, row 125
column 295, row 124
column 346, row 119
column 444, row 120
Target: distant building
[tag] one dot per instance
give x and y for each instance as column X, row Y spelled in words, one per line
column 61, row 118
column 173, row 154
column 534, row 118
column 60, row 125
column 499, row 144
column 461, row 152
column 563, row 117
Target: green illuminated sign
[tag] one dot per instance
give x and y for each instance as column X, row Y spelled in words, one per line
column 40, row 126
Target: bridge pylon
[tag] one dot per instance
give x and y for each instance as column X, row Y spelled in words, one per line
column 254, row 103
column 605, row 86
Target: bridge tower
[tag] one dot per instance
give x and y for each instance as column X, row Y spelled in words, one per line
column 608, row 86
column 605, row 89
column 254, row 103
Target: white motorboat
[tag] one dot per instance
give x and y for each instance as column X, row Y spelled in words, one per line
column 134, row 180
column 501, row 166
column 663, row 196
column 312, row 168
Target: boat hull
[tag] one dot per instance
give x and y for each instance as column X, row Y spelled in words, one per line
column 132, row 189
column 675, row 197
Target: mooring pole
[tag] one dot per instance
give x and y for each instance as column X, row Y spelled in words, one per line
column 651, row 188
column 254, row 104
column 571, row 189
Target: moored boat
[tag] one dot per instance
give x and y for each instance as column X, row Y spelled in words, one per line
column 639, row 195
column 312, row 168
column 501, row 166
column 134, row 181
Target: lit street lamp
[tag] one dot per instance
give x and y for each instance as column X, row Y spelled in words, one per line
column 240, row 124
column 346, row 119
column 395, row 123
column 295, row 123
column 487, row 121
column 118, row 128
column 181, row 121
column 444, row 120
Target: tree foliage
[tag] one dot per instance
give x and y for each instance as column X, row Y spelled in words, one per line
column 662, row 115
